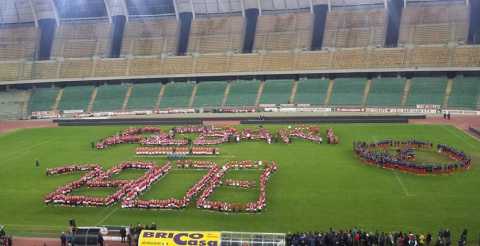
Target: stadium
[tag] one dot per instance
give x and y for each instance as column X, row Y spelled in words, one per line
column 240, row 122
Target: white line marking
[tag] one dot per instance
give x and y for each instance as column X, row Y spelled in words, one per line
column 107, row 216
column 459, row 136
column 404, row 188
column 24, row 151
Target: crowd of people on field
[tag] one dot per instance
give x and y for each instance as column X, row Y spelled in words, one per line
column 179, row 150
column 378, row 154
column 358, row 237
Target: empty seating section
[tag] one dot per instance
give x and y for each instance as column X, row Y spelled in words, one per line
column 465, row 93
column 144, row 96
column 348, row 91
column 210, row 94
column 177, row 95
column 355, row 28
column 76, row 97
column 284, row 32
column 386, row 92
column 85, row 38
column 149, row 36
column 17, row 41
column 276, row 92
column 434, row 23
column 216, row 34
column 42, row 99
column 242, row 93
column 467, row 56
column 427, row 90
column 311, row 91
column 109, row 98
column 429, row 57
column 11, row 104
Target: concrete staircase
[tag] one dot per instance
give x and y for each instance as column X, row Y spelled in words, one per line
column 57, row 100
column 331, row 83
column 192, row 98
column 368, row 85
column 225, row 94
column 26, row 101
column 127, row 97
column 259, row 93
column 92, row 99
column 159, row 98
column 294, row 92
column 448, row 92
column 406, row 91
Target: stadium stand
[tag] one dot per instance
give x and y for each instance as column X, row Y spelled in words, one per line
column 210, row 94
column 109, row 97
column 347, row 28
column 276, row 92
column 216, row 34
column 386, row 92
column 42, row 98
column 149, row 36
column 243, row 93
column 17, row 41
column 348, row 91
column 83, row 38
column 311, row 91
column 284, row 32
column 466, row 56
column 12, row 104
column 76, row 97
column 144, row 96
column 465, row 93
column 434, row 23
column 427, row 90
column 177, row 94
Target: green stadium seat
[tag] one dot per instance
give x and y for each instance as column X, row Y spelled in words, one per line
column 243, row 93
column 144, row 96
column 42, row 99
column 109, row 98
column 210, row 94
column 177, row 95
column 425, row 90
column 76, row 97
column 348, row 91
column 276, row 92
column 311, row 91
column 465, row 93
column 11, row 103
column 386, row 92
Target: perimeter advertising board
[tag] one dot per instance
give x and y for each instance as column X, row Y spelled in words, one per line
column 174, row 238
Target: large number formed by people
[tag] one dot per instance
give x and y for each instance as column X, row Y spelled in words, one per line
column 379, row 154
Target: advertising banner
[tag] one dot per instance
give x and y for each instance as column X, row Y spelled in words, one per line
column 174, row 238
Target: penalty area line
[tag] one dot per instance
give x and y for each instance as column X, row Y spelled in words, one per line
column 107, row 216
column 404, row 188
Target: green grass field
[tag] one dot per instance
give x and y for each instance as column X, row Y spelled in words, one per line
column 316, row 186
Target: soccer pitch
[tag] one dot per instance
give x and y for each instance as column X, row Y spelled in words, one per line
column 317, row 186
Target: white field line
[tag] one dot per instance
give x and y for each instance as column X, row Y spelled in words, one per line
column 404, row 188
column 460, row 137
column 24, row 151
column 107, row 216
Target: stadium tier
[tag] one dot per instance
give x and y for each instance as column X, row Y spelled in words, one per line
column 465, row 93
column 76, row 97
column 43, row 99
column 209, row 94
column 427, row 91
column 144, row 96
column 311, row 91
column 243, row 93
column 12, row 104
column 177, row 95
column 348, row 91
column 276, row 92
column 386, row 92
column 109, row 98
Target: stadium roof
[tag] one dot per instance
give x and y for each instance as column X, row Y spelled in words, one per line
column 22, row 11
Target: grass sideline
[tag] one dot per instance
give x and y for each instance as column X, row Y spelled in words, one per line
column 316, row 186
